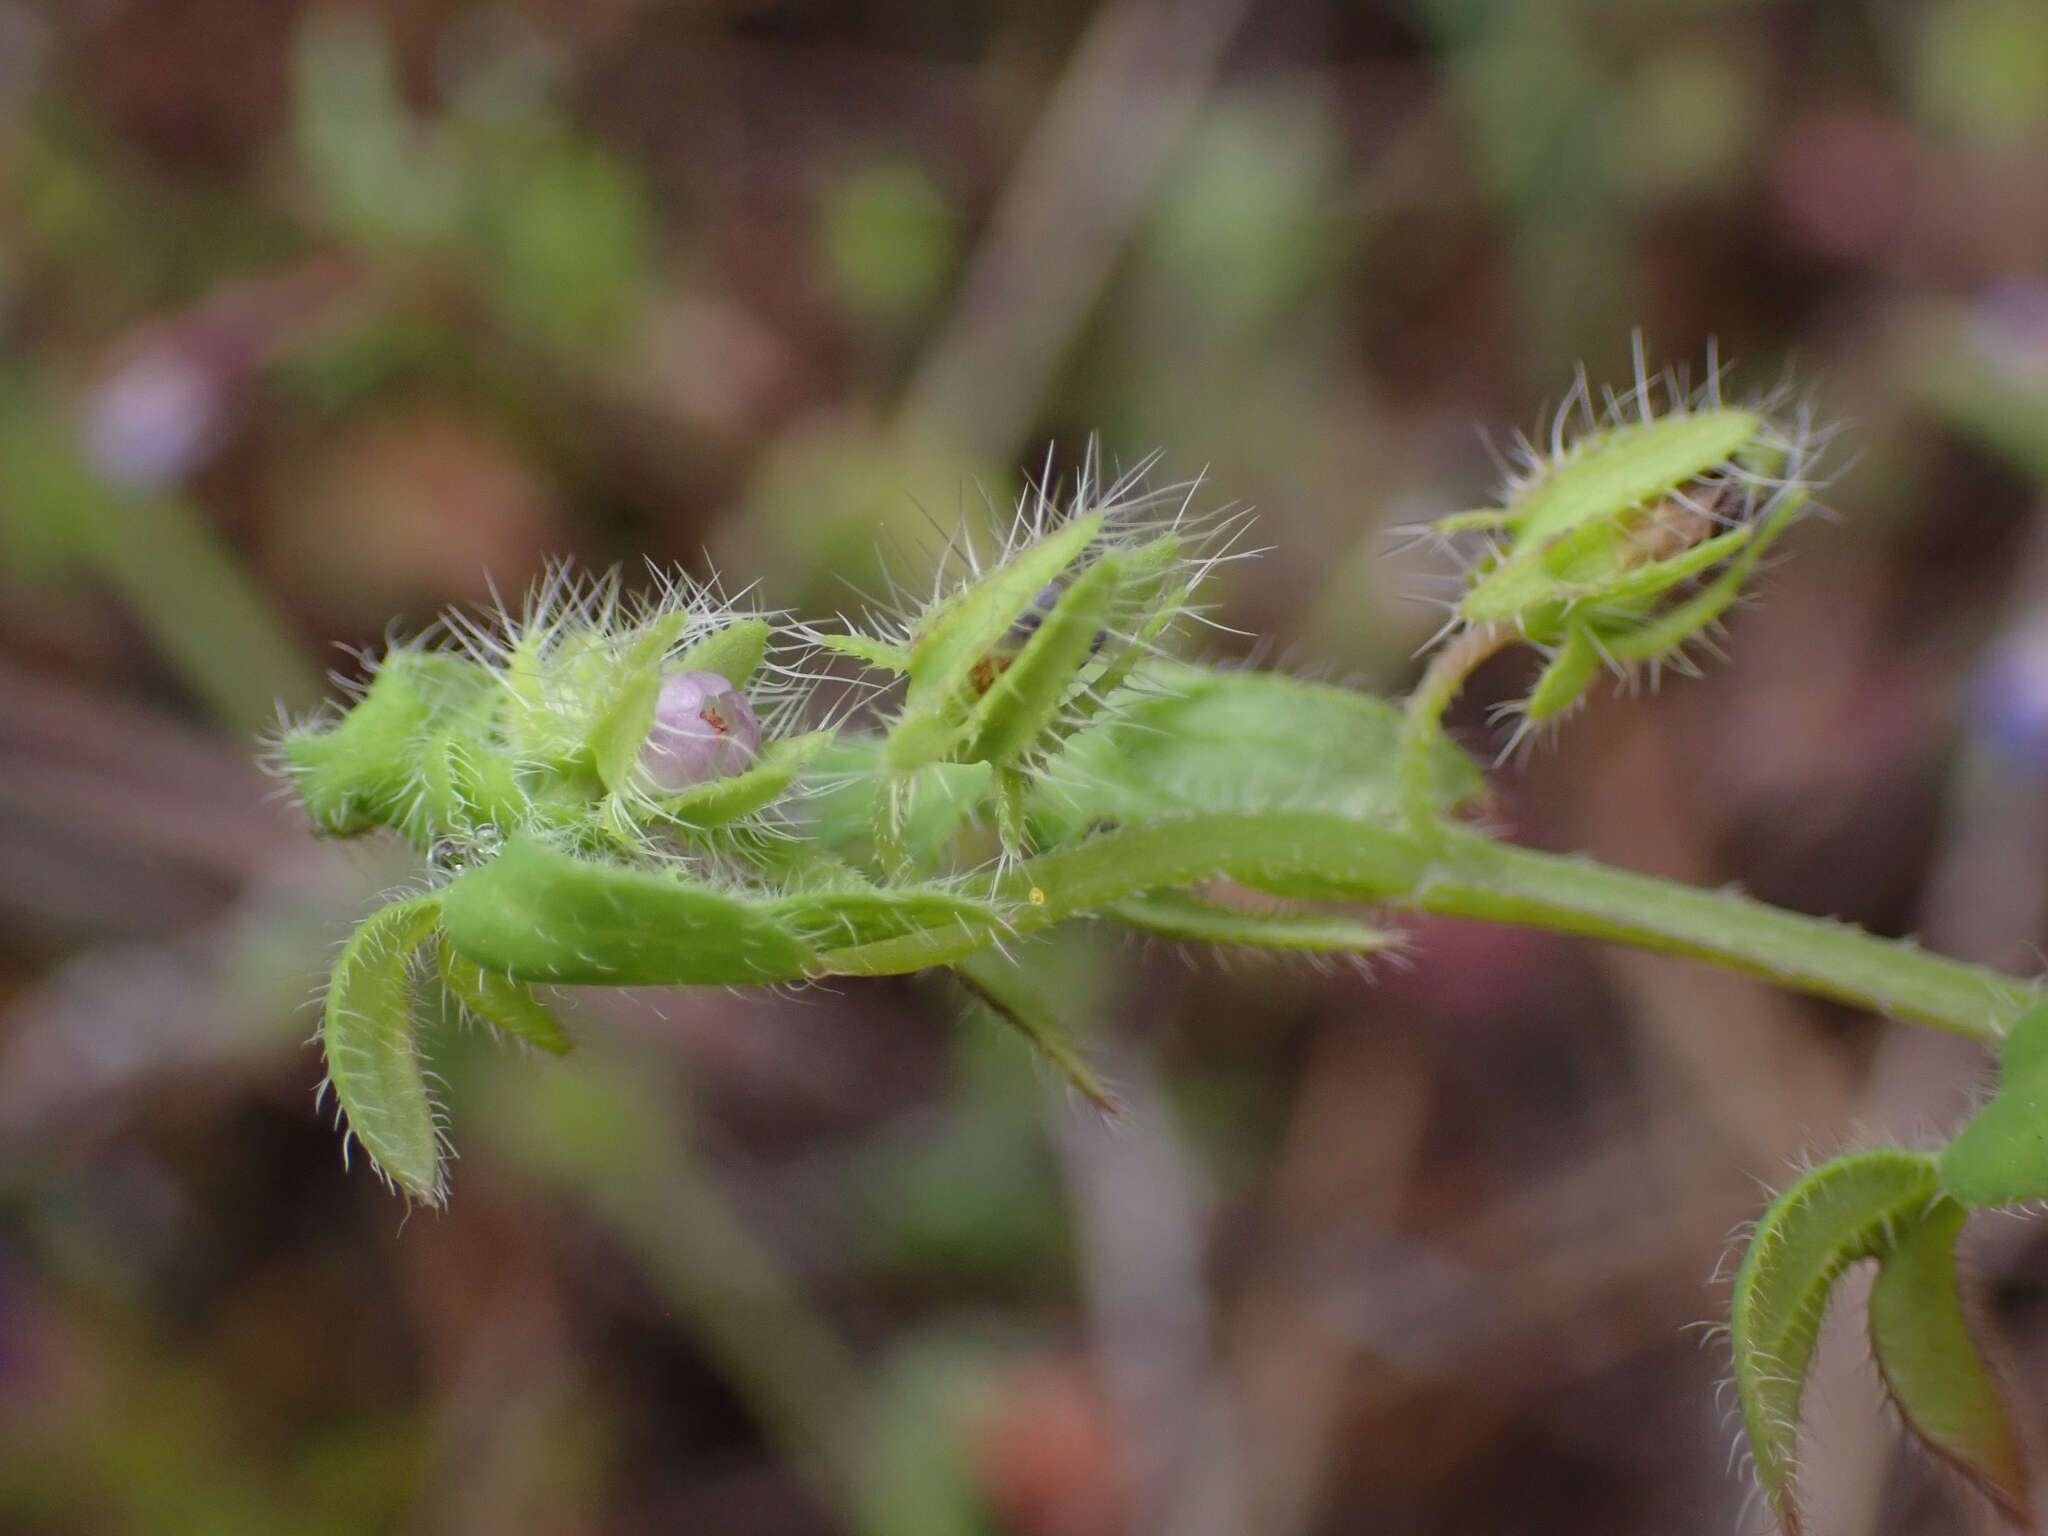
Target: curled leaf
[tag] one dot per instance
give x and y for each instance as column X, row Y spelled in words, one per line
column 373, row 1057
column 1842, row 1211
column 1932, row 1367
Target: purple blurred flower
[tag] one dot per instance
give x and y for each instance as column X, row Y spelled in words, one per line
column 156, row 419
column 2010, row 324
column 2011, row 698
column 704, row 729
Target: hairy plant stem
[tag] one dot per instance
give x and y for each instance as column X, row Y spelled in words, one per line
column 1477, row 876
column 1423, row 725
column 1459, row 872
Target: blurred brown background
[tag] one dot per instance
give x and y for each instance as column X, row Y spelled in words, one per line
column 317, row 319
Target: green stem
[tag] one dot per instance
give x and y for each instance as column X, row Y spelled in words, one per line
column 1476, row 876
column 1462, row 873
column 1422, row 724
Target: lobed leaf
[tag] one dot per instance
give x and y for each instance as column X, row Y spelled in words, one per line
column 1932, row 1367
column 373, row 1057
column 541, row 915
column 1842, row 1211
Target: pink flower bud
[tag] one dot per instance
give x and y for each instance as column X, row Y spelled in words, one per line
column 704, row 729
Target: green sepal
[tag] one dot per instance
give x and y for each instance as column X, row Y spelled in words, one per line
column 1626, row 466
column 504, row 1004
column 619, row 728
column 1178, row 915
column 974, row 620
column 358, row 774
column 719, row 801
column 850, row 783
column 2001, row 1156
column 1003, row 987
column 879, row 654
column 1020, row 704
column 373, row 1056
column 735, row 652
column 1565, row 677
column 1932, row 1367
column 1144, row 608
column 1842, row 1211
column 541, row 915
column 839, row 919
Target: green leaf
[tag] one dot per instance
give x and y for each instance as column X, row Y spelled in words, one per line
column 1932, row 1366
column 1842, row 1211
column 501, row 1002
column 542, row 915
column 715, row 803
column 1000, row 984
column 2001, row 1156
column 1238, row 741
column 1177, row 915
column 373, row 1057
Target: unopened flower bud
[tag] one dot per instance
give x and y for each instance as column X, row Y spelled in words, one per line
column 704, row 729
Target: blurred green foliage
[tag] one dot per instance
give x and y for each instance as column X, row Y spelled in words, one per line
column 457, row 287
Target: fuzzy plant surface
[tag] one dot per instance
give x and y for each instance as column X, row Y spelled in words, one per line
column 615, row 792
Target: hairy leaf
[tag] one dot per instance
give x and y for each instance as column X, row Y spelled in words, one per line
column 501, row 1002
column 975, row 619
column 1237, row 741
column 1021, row 703
column 618, row 729
column 1842, row 1211
column 1173, row 914
column 541, row 915
column 838, row 919
column 998, row 982
column 734, row 652
column 373, row 1057
column 722, row 800
column 1931, row 1365
column 1626, row 466
column 2001, row 1156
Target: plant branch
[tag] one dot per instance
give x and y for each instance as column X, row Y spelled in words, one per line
column 1467, row 874
column 1476, row 876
